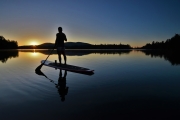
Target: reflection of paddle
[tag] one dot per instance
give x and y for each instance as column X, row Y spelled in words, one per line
column 61, row 86
column 40, row 66
column 38, row 72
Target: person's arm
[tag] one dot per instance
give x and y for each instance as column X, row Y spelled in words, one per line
column 55, row 41
column 65, row 37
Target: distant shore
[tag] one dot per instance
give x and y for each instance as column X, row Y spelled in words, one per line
column 172, row 43
column 78, row 45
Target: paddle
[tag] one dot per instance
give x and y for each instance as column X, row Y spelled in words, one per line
column 40, row 66
column 39, row 72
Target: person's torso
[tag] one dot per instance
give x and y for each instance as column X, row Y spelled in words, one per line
column 60, row 39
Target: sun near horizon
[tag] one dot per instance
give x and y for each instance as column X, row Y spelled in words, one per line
column 34, row 43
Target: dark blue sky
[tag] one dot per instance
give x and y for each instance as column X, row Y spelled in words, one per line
column 134, row 22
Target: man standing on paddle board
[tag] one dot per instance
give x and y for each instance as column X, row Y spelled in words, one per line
column 59, row 44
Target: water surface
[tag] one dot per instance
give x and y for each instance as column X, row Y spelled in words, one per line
column 125, row 85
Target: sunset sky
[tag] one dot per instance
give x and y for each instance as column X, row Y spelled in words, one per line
column 134, row 22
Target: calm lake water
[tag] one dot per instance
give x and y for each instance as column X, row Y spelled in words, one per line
column 125, row 85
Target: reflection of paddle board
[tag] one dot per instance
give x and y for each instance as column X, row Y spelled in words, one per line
column 67, row 67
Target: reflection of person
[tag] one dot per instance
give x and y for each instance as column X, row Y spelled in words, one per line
column 59, row 44
column 62, row 89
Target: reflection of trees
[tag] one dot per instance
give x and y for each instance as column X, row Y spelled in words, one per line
column 6, row 54
column 171, row 56
column 81, row 52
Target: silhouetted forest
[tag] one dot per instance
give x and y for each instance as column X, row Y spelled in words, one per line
column 8, row 44
column 78, row 45
column 173, row 43
column 101, row 46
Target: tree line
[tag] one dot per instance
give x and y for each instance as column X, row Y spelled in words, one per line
column 172, row 43
column 101, row 46
column 76, row 46
column 8, row 44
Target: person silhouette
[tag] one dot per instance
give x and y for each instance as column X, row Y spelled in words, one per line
column 61, row 86
column 59, row 44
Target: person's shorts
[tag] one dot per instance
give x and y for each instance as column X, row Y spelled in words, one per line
column 60, row 49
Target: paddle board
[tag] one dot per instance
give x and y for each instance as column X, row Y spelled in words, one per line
column 68, row 67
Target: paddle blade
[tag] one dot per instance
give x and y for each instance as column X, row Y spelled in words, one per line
column 39, row 72
column 38, row 68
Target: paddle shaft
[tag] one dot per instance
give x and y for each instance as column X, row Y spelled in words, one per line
column 40, row 66
column 48, row 56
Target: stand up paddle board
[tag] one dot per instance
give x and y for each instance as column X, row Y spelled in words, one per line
column 68, row 67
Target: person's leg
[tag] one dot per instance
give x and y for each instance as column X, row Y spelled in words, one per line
column 64, row 55
column 59, row 55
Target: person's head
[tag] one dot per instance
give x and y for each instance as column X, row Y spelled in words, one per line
column 60, row 29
